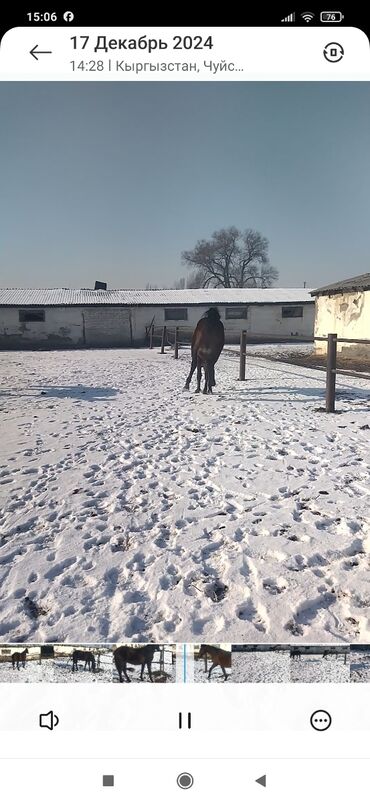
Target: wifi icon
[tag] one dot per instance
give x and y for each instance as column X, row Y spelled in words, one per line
column 307, row 16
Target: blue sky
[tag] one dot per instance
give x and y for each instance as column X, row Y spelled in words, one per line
column 112, row 181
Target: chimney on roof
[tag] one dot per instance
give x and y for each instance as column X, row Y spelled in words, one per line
column 100, row 286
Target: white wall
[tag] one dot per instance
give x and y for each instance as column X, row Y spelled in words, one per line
column 107, row 326
column 263, row 319
column 344, row 314
column 266, row 319
column 63, row 326
column 66, row 327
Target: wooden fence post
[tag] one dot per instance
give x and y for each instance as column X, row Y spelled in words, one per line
column 331, row 366
column 177, row 343
column 243, row 346
column 151, row 335
column 164, row 332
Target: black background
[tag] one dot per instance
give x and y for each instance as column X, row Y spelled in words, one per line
column 256, row 14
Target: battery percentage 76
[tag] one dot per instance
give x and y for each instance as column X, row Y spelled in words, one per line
column 331, row 16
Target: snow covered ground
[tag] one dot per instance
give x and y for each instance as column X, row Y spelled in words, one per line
column 360, row 667
column 316, row 669
column 261, row 667
column 34, row 672
column 63, row 670
column 131, row 511
column 275, row 349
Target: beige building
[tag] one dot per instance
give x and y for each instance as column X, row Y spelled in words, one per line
column 343, row 308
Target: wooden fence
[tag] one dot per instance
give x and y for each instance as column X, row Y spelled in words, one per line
column 174, row 337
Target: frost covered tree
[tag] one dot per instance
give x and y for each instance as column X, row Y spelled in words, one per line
column 231, row 258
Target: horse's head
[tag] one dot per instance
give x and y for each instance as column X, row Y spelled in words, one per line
column 203, row 651
column 213, row 314
column 26, row 650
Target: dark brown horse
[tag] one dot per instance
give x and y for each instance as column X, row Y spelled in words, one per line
column 219, row 657
column 207, row 343
column 138, row 656
column 19, row 658
column 296, row 654
column 83, row 655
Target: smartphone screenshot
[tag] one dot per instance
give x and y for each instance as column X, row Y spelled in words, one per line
column 184, row 406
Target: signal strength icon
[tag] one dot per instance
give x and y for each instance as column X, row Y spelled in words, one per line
column 307, row 16
column 289, row 18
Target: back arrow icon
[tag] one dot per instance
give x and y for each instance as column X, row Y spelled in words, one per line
column 36, row 53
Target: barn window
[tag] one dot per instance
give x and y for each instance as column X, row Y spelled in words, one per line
column 31, row 315
column 236, row 313
column 176, row 314
column 47, row 651
column 292, row 312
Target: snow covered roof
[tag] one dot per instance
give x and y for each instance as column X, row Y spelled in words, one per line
column 61, row 296
column 361, row 282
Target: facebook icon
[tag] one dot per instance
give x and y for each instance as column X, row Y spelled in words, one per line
column 68, row 16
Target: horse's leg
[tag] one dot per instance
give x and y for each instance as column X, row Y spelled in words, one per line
column 224, row 673
column 199, row 375
column 212, row 667
column 192, row 369
column 124, row 670
column 211, row 376
column 206, row 378
column 208, row 373
column 149, row 665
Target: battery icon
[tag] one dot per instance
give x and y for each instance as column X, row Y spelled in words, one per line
column 331, row 16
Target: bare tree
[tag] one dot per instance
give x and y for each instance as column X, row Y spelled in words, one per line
column 231, row 258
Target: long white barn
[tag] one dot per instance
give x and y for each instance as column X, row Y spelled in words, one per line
column 67, row 318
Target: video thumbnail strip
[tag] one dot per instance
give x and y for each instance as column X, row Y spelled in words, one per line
column 185, row 663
